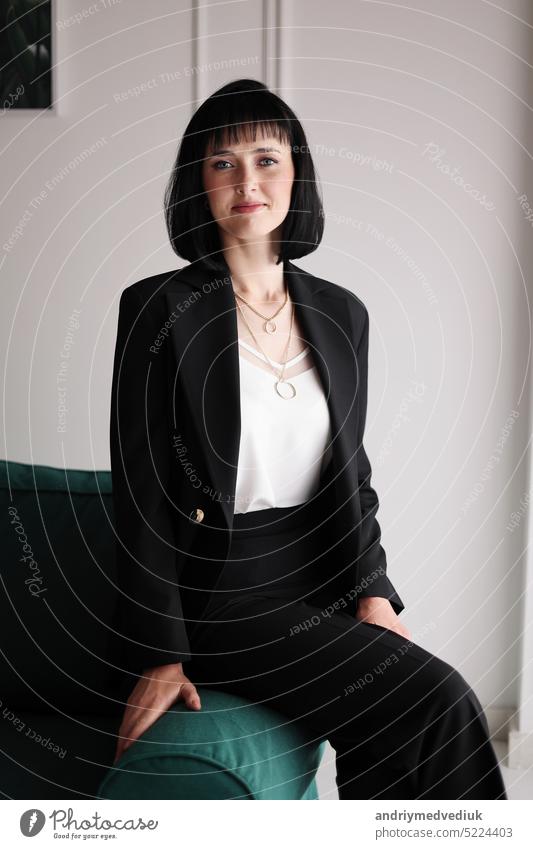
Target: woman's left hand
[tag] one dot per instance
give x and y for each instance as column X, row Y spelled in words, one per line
column 379, row 611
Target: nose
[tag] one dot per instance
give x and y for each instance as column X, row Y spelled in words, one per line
column 246, row 179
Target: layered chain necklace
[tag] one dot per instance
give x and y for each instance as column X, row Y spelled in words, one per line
column 284, row 388
column 269, row 326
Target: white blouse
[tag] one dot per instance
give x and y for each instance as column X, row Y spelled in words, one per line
column 285, row 443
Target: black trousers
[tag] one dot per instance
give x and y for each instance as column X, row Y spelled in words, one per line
column 404, row 724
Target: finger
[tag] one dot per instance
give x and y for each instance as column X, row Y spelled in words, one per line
column 189, row 694
column 126, row 738
column 137, row 720
column 127, row 726
column 141, row 722
column 122, row 745
column 118, row 754
column 123, row 735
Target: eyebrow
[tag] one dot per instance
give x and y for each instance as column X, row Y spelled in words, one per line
column 256, row 150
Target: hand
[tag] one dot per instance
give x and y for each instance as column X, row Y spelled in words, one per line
column 379, row 611
column 157, row 689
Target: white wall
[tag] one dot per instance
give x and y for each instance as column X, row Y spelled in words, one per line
column 404, row 106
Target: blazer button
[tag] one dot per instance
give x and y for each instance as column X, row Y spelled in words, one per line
column 197, row 514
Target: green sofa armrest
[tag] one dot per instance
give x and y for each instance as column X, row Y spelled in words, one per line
column 232, row 748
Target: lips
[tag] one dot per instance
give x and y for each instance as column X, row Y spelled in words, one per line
column 248, row 207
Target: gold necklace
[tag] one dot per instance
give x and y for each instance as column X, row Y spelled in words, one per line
column 280, row 381
column 269, row 326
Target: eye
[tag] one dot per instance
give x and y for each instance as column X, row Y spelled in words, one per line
column 226, row 162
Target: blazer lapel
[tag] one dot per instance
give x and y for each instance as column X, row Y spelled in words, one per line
column 328, row 329
column 205, row 342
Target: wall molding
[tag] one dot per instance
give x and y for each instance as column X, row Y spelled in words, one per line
column 272, row 47
column 199, row 51
column 272, row 44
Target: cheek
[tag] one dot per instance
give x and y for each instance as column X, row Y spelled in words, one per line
column 216, row 196
column 281, row 186
column 217, row 183
column 212, row 178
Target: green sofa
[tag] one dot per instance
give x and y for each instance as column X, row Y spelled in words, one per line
column 62, row 694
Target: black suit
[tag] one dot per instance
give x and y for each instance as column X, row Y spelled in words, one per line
column 174, row 438
column 175, row 432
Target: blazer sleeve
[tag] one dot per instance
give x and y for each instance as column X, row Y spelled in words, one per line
column 149, row 616
column 372, row 563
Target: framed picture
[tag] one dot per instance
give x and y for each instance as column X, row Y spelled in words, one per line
column 25, row 55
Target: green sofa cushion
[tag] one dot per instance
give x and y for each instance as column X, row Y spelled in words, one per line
column 230, row 749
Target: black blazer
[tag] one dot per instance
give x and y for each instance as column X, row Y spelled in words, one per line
column 174, row 439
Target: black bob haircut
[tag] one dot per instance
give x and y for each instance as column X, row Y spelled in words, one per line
column 230, row 115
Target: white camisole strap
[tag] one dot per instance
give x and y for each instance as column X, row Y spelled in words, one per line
column 261, row 356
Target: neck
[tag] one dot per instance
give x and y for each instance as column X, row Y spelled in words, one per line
column 254, row 272
column 258, row 283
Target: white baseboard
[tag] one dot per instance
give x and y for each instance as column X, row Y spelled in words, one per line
column 501, row 722
column 520, row 750
column 503, row 727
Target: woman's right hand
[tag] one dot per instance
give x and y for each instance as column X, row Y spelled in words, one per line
column 157, row 689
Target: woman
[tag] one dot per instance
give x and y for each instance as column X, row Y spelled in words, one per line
column 250, row 556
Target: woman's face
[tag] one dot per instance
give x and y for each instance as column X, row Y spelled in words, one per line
column 259, row 172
